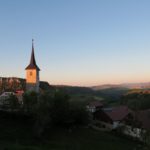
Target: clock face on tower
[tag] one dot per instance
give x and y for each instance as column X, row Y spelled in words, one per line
column 32, row 76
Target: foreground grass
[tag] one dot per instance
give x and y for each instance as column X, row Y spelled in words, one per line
column 18, row 135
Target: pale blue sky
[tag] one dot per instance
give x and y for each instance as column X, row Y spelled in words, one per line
column 77, row 42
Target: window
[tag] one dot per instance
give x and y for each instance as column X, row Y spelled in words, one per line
column 31, row 73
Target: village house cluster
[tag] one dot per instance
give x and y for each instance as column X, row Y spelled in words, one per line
column 121, row 118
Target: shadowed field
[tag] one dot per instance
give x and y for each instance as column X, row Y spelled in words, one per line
column 17, row 134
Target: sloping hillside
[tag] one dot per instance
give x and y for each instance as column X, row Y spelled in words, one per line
column 112, row 93
column 109, row 93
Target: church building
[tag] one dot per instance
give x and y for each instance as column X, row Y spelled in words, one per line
column 32, row 74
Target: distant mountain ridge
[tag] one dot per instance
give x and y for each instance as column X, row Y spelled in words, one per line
column 145, row 85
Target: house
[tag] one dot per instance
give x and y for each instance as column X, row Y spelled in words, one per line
column 112, row 118
column 141, row 125
column 94, row 106
column 4, row 96
column 131, row 123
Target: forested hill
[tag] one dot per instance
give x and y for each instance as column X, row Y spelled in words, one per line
column 14, row 83
column 137, row 99
column 75, row 90
column 110, row 93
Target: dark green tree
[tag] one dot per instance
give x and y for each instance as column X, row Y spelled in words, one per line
column 60, row 108
column 13, row 102
column 42, row 114
column 30, row 101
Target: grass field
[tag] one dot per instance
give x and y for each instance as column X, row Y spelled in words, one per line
column 17, row 135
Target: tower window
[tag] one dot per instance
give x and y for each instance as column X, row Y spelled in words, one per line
column 30, row 73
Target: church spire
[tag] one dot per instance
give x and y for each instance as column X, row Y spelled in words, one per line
column 32, row 60
column 32, row 64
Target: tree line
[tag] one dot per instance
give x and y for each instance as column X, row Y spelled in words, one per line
column 49, row 110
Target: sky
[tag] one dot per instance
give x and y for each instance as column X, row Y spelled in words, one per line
column 77, row 42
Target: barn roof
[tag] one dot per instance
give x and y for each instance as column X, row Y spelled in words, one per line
column 117, row 113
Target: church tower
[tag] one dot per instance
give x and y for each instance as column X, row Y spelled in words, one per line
column 32, row 74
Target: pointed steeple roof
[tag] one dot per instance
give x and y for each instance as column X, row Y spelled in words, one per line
column 32, row 64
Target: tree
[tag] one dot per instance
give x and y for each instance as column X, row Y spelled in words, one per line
column 55, row 109
column 30, row 100
column 78, row 113
column 42, row 114
column 60, row 108
column 13, row 102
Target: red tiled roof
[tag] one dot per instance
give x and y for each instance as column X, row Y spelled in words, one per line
column 117, row 113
